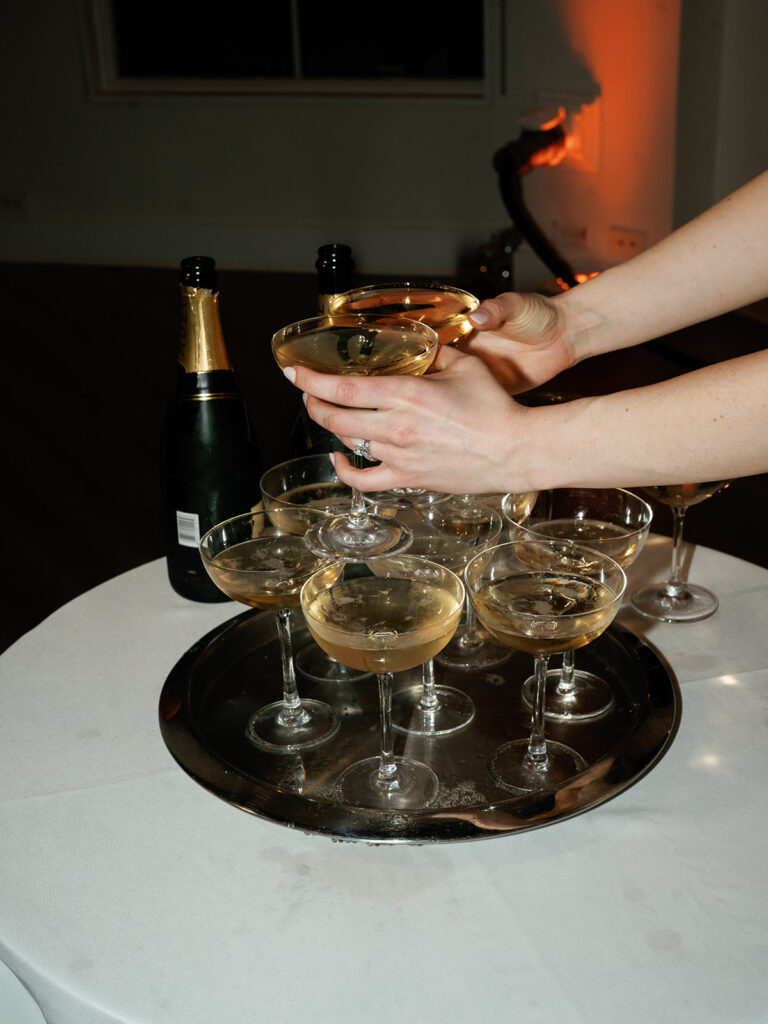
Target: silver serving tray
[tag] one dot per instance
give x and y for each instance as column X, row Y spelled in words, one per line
column 213, row 689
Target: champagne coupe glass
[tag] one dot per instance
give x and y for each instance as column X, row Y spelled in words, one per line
column 387, row 616
column 542, row 596
column 309, row 481
column 677, row 600
column 357, row 343
column 260, row 565
column 612, row 520
column 472, row 647
column 448, row 533
column 442, row 307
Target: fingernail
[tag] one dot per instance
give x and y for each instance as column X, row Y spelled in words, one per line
column 290, row 373
column 479, row 318
column 304, row 397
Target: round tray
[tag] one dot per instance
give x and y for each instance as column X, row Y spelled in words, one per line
column 220, row 681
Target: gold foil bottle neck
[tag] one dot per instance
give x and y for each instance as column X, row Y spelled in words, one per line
column 202, row 347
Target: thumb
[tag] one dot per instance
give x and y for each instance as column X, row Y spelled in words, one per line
column 525, row 315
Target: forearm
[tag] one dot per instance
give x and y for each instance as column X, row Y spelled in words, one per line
column 716, row 263
column 707, row 425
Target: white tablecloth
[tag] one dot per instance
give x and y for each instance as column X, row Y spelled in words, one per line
column 130, row 894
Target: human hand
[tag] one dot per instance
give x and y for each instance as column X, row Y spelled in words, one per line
column 447, row 431
column 522, row 338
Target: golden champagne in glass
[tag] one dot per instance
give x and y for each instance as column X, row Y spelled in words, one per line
column 677, row 600
column 442, row 307
column 360, row 344
column 384, row 617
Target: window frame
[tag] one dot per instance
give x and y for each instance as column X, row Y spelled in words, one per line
column 105, row 82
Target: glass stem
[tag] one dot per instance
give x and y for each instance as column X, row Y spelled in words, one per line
column 469, row 633
column 675, row 586
column 386, row 776
column 358, row 511
column 291, row 712
column 428, row 700
column 566, row 684
column 536, row 755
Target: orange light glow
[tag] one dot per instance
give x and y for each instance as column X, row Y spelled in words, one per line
column 554, row 121
column 551, row 156
column 620, row 125
column 580, row 279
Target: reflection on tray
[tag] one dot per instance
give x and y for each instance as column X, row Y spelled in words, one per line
column 212, row 691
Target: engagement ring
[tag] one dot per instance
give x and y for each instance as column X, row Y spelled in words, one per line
column 364, row 451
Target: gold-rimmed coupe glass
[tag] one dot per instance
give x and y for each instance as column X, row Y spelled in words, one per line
column 264, row 567
column 384, row 617
column 359, row 344
column 612, row 520
column 542, row 596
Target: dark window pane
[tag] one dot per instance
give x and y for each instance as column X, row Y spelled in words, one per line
column 392, row 39
column 223, row 40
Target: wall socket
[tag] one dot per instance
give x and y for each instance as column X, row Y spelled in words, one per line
column 624, row 243
column 574, row 235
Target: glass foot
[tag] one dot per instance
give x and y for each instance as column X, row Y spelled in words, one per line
column 454, row 711
column 406, row 497
column 413, row 785
column 511, row 768
column 270, row 729
column 358, row 539
column 320, row 667
column 692, row 604
column 590, row 697
column 476, row 650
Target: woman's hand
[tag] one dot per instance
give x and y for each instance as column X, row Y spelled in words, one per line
column 451, row 430
column 522, row 338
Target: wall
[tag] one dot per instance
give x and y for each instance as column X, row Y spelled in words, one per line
column 721, row 137
column 409, row 184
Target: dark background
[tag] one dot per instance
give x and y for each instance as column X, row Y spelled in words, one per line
column 92, row 355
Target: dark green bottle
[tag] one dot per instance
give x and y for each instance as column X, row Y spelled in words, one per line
column 334, row 267
column 210, row 468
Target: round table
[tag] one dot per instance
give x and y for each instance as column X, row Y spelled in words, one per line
column 130, row 894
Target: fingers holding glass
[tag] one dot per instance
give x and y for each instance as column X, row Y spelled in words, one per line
column 355, row 345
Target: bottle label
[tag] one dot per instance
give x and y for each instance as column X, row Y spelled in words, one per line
column 188, row 529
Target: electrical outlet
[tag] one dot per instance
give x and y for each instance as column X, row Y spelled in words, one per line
column 572, row 234
column 624, row 243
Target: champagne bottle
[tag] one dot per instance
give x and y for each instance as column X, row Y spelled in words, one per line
column 210, row 469
column 334, row 267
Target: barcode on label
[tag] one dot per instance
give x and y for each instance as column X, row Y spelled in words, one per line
column 188, row 529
